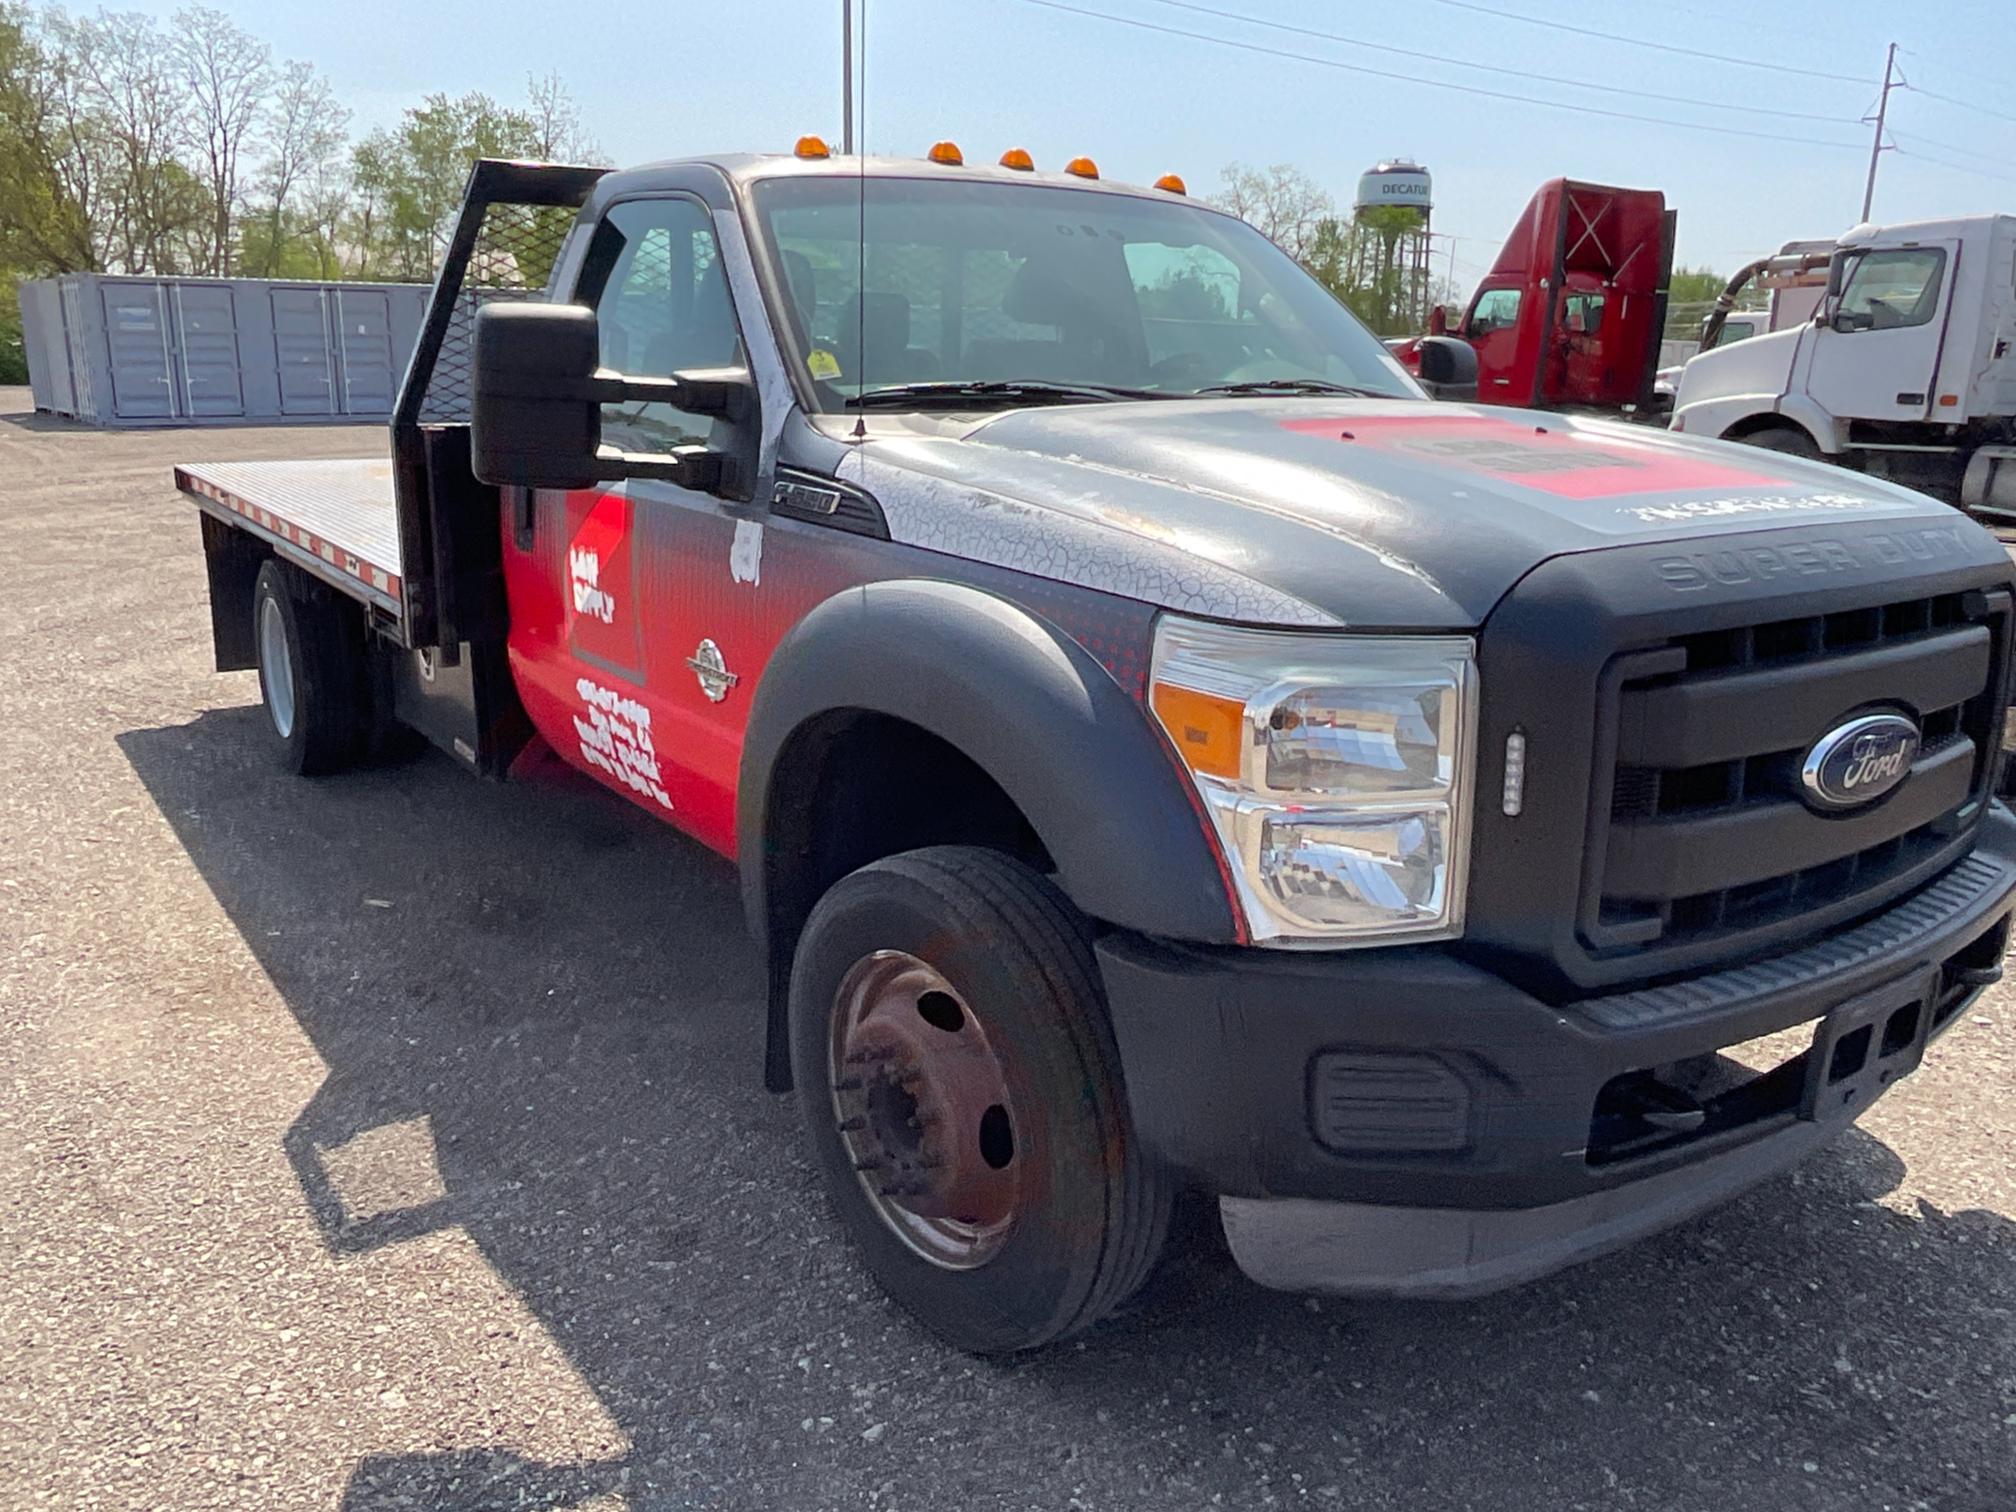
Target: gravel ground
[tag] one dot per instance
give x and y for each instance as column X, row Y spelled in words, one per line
column 397, row 1141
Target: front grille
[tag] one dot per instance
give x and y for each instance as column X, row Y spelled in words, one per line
column 1698, row 833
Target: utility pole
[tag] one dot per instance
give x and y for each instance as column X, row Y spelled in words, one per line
column 847, row 82
column 1882, row 110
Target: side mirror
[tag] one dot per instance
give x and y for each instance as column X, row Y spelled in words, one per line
column 537, row 393
column 1448, row 368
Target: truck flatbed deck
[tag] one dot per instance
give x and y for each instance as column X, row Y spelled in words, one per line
column 335, row 517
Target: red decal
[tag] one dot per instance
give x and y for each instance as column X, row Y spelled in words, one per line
column 1560, row 462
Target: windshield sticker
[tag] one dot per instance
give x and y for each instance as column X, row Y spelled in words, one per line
column 822, row 365
column 1556, row 461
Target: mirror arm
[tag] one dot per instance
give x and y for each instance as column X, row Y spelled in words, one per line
column 724, row 392
column 692, row 467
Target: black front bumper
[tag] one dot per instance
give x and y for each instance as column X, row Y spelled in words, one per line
column 1410, row 1078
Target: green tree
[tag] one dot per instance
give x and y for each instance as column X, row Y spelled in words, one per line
column 1694, row 285
column 1689, row 293
column 43, row 227
column 1358, row 259
column 305, row 140
column 226, row 75
column 1282, row 203
column 409, row 179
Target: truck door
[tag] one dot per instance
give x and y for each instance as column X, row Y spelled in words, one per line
column 1874, row 355
column 1585, row 371
column 635, row 674
column 1492, row 327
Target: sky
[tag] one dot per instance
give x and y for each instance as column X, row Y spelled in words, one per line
column 675, row 77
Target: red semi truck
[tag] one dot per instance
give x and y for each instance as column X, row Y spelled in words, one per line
column 1162, row 748
column 1571, row 313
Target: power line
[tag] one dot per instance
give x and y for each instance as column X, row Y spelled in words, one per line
column 1492, row 68
column 1666, row 47
column 1933, row 94
column 1993, row 157
column 1469, row 89
column 1926, row 157
column 1940, row 66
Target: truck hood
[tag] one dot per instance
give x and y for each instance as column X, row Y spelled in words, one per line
column 1369, row 513
column 1757, row 365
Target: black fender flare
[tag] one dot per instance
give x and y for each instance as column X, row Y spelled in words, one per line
column 1073, row 750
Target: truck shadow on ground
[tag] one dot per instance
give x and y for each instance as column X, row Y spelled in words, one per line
column 560, row 998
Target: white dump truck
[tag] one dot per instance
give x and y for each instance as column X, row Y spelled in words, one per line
column 1905, row 369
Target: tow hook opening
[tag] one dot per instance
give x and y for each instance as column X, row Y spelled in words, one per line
column 1661, row 1107
column 1658, row 1108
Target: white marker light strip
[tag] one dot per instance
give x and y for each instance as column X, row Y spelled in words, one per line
column 1515, row 774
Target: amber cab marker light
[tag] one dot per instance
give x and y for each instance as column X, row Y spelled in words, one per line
column 1018, row 158
column 947, row 153
column 810, row 146
column 1082, row 167
column 1172, row 183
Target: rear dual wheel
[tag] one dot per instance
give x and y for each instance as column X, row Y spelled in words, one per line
column 963, row 1098
column 314, row 673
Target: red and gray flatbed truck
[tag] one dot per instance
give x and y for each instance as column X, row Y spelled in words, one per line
column 1164, row 749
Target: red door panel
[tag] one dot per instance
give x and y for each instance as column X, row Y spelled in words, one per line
column 608, row 612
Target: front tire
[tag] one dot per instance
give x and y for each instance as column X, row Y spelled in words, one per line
column 1788, row 439
column 963, row 1099
column 313, row 672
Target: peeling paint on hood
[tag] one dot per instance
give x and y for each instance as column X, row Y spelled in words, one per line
column 1385, row 513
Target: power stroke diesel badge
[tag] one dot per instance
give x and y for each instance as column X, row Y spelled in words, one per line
column 1860, row 761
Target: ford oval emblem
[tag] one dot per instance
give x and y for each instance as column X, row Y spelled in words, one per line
column 1860, row 761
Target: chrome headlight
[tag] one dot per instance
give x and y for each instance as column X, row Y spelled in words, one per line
column 1336, row 769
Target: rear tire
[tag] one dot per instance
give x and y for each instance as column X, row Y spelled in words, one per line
column 1789, row 439
column 972, row 1129
column 313, row 671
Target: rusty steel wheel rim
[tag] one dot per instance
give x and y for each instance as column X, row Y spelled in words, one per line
column 922, row 1107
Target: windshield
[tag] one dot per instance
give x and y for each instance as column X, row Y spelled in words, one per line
column 1020, row 285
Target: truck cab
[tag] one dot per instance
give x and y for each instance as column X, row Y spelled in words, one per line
column 1572, row 310
column 1163, row 749
column 1904, row 370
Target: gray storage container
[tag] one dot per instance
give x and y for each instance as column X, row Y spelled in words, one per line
column 113, row 350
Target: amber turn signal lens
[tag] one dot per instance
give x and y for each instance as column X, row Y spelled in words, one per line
column 1082, row 167
column 1171, row 183
column 812, row 147
column 1018, row 158
column 947, row 153
column 1205, row 728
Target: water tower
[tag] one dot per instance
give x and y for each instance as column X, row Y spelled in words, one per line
column 1389, row 244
